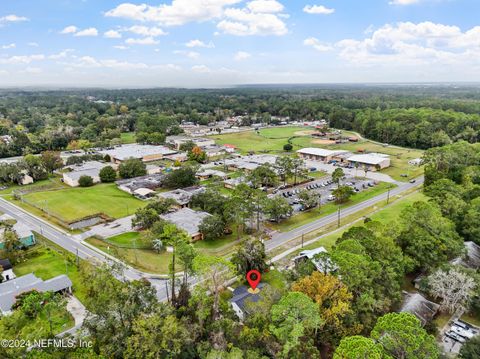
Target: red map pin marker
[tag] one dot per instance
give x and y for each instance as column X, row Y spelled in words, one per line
column 253, row 278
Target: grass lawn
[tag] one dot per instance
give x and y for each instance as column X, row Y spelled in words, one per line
column 328, row 238
column 276, row 279
column 46, row 260
column 128, row 137
column 392, row 212
column 70, row 204
column 128, row 240
column 303, row 218
column 251, row 141
column 144, row 259
column 273, row 139
column 471, row 318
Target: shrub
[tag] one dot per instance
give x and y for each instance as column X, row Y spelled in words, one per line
column 85, row 181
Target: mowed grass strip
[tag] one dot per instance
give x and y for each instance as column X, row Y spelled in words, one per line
column 74, row 203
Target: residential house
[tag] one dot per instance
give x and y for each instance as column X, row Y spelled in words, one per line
column 25, row 235
column 322, row 263
column 11, row 289
column 242, row 296
column 154, row 169
column 187, row 220
column 471, row 258
column 419, row 306
column 7, row 270
column 182, row 196
column 90, row 168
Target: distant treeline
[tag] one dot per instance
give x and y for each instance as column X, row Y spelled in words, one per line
column 415, row 116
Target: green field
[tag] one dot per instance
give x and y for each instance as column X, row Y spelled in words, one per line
column 144, row 259
column 71, row 204
column 384, row 215
column 46, row 260
column 273, row 139
column 128, row 137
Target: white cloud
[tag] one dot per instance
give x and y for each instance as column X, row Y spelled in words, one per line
column 91, row 31
column 61, row 55
column 179, row 12
column 265, row 6
column 404, row 2
column 33, row 70
column 199, row 43
column 142, row 41
column 120, row 47
column 146, row 31
column 408, row 43
column 317, row 44
column 9, row 46
column 12, row 18
column 69, row 30
column 23, row 59
column 244, row 22
column 242, row 55
column 91, row 62
column 190, row 54
column 33, row 44
column 112, row 34
column 318, row 9
column 201, row 69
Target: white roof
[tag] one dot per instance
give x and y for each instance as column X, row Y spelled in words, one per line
column 370, row 159
column 320, row 151
column 137, row 151
column 143, row 191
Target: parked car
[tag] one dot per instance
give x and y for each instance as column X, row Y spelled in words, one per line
column 412, row 181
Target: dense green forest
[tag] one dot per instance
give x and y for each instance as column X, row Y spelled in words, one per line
column 414, row 116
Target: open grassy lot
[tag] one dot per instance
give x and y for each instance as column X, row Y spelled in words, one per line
column 144, row 259
column 75, row 203
column 46, row 260
column 273, row 139
column 128, row 137
column 267, row 140
column 327, row 236
column 303, row 218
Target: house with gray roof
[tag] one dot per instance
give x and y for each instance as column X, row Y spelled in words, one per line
column 25, row 235
column 151, row 182
column 11, row 289
column 145, row 153
column 421, row 307
column 471, row 257
column 188, row 220
column 182, row 196
column 242, row 296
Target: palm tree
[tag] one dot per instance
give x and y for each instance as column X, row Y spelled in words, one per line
column 157, row 244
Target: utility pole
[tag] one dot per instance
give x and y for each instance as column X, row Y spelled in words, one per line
column 388, row 195
column 338, row 218
column 77, row 258
column 303, row 237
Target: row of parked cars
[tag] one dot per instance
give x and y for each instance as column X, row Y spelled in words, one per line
column 461, row 331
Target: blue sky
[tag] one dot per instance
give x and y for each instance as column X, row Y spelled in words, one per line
column 208, row 43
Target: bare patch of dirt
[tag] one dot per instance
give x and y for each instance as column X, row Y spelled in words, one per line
column 323, row 142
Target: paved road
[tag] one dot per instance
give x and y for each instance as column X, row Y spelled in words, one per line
column 68, row 242
column 279, row 239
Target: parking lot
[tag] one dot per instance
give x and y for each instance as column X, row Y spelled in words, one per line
column 323, row 187
column 456, row 335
